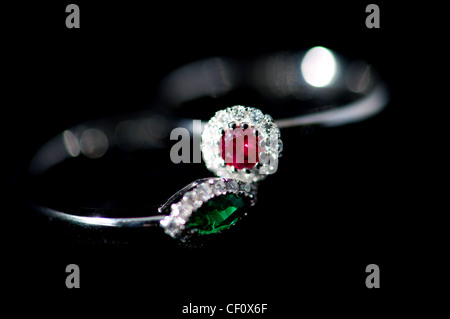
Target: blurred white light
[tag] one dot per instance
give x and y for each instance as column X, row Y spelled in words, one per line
column 93, row 143
column 71, row 143
column 318, row 67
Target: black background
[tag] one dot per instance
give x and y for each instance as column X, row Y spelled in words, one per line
column 336, row 204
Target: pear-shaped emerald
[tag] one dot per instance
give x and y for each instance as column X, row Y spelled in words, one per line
column 217, row 214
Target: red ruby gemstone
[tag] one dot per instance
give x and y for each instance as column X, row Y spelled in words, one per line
column 240, row 148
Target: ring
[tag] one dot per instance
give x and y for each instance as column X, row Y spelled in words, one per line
column 240, row 144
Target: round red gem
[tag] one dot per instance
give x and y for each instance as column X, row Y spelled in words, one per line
column 240, row 148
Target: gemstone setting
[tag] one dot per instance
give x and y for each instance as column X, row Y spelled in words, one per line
column 241, row 143
column 216, row 215
column 240, row 157
column 206, row 206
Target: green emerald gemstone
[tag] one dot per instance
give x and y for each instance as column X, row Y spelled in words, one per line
column 216, row 215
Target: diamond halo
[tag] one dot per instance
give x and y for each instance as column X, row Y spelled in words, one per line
column 265, row 133
column 181, row 206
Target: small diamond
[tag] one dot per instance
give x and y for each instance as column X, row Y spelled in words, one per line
column 172, row 232
column 238, row 112
column 204, row 192
column 175, row 208
column 245, row 187
column 268, row 128
column 177, row 221
column 200, row 195
column 186, row 207
column 219, row 187
column 268, row 118
column 195, row 200
column 165, row 222
column 256, row 116
column 233, row 185
column 220, row 117
column 280, row 146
